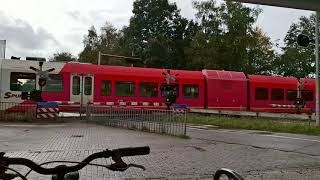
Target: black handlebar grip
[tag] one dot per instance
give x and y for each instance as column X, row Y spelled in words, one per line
column 134, row 151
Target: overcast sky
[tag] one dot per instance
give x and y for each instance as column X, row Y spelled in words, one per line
column 43, row 27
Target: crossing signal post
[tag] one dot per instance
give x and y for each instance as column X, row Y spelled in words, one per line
column 170, row 92
column 43, row 75
column 42, row 82
column 170, row 89
column 304, row 40
column 36, row 95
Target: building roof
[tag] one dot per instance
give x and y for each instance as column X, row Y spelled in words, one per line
column 313, row 5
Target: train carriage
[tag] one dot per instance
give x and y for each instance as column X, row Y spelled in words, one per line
column 276, row 94
column 226, row 90
column 16, row 77
column 127, row 86
column 309, row 93
column 73, row 83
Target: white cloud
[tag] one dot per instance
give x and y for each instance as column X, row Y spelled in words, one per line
column 276, row 21
column 67, row 20
column 23, row 39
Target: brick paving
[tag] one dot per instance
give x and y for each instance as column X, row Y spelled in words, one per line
column 170, row 158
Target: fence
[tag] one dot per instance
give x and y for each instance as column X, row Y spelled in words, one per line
column 170, row 122
column 10, row 111
column 150, row 120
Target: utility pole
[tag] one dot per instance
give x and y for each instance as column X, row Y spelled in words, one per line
column 3, row 49
column 304, row 41
column 317, row 69
column 99, row 58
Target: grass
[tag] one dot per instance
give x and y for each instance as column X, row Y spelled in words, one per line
column 261, row 124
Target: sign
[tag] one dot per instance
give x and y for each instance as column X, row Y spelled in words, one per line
column 9, row 95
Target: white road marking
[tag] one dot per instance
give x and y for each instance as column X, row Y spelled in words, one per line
column 30, row 125
column 246, row 133
column 286, row 137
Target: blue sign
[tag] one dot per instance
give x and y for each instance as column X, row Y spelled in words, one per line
column 48, row 104
column 180, row 106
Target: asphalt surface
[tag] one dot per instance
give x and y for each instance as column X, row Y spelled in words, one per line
column 302, row 144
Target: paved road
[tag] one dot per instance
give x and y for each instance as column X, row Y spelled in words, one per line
column 279, row 155
column 255, row 155
column 302, row 144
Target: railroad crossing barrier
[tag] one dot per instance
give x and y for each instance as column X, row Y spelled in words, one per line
column 47, row 110
column 169, row 122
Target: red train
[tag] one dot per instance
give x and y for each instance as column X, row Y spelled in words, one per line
column 75, row 83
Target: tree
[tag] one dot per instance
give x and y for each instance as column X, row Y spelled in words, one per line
column 228, row 40
column 261, row 55
column 298, row 61
column 63, row 57
column 108, row 41
column 223, row 37
column 90, row 51
column 157, row 33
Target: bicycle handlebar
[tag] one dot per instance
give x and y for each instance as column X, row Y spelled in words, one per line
column 136, row 151
column 116, row 155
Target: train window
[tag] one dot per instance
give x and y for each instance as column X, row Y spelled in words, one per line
column 291, row 95
column 190, row 91
column 22, row 81
column 148, row 89
column 75, row 85
column 307, row 95
column 261, row 94
column 87, row 86
column 125, row 88
column 54, row 84
column 105, row 88
column 277, row 94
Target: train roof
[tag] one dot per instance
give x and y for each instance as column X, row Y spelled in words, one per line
column 224, row 75
column 24, row 65
column 309, row 83
column 272, row 79
column 127, row 71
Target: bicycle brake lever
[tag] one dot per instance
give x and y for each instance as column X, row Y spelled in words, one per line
column 137, row 166
column 116, row 167
column 120, row 165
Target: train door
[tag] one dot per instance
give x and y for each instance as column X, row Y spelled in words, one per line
column 82, row 88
